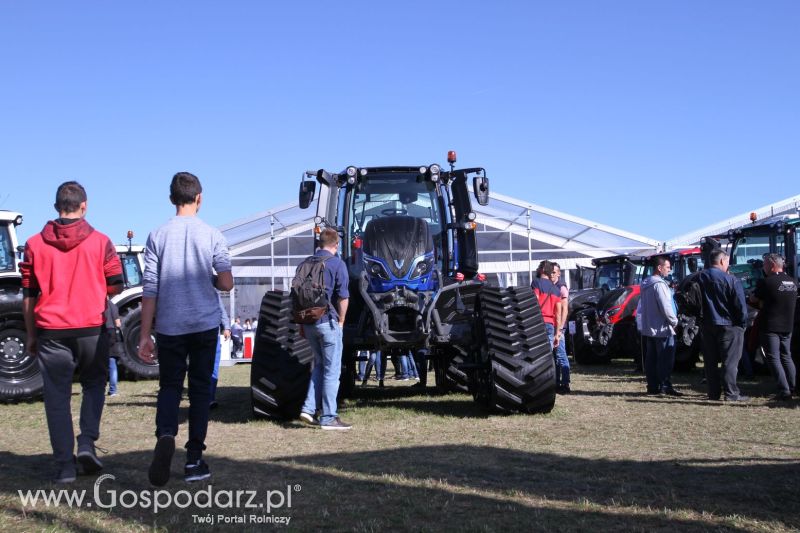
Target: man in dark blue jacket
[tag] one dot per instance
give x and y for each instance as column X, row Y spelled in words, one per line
column 724, row 320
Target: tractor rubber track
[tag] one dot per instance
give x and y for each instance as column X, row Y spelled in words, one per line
column 523, row 369
column 281, row 365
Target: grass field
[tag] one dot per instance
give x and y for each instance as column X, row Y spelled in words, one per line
column 607, row 458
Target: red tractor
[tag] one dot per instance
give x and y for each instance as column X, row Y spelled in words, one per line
column 602, row 319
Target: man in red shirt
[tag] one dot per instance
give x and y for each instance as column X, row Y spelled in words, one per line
column 68, row 271
column 550, row 302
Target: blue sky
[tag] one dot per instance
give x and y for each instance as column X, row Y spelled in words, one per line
column 654, row 117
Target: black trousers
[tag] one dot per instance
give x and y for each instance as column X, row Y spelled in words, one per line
column 194, row 352
column 777, row 348
column 59, row 360
column 722, row 344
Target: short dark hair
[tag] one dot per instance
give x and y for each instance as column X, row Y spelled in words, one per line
column 184, row 188
column 545, row 267
column 716, row 256
column 659, row 260
column 69, row 197
column 328, row 237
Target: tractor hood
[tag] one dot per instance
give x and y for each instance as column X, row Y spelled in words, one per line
column 584, row 298
column 398, row 240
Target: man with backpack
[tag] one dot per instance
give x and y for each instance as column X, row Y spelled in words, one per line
column 319, row 305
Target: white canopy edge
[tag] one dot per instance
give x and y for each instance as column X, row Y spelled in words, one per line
column 789, row 205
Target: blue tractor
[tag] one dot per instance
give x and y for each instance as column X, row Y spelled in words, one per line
column 408, row 237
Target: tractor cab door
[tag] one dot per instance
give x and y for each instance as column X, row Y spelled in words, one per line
column 463, row 226
column 586, row 277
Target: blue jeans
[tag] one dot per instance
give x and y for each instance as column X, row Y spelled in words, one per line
column 215, row 373
column 192, row 353
column 113, row 375
column 659, row 358
column 551, row 333
column 408, row 367
column 562, row 364
column 374, row 360
column 326, row 344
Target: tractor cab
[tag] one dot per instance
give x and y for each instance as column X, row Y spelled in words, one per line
column 748, row 245
column 408, row 235
column 9, row 248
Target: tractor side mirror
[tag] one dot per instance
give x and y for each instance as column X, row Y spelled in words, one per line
column 20, row 252
column 307, row 190
column 480, row 187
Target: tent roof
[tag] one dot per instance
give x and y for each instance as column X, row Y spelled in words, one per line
column 504, row 226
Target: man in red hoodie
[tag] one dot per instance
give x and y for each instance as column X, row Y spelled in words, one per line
column 68, row 271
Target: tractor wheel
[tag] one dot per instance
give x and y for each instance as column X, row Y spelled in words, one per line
column 20, row 378
column 281, row 366
column 449, row 377
column 131, row 318
column 522, row 373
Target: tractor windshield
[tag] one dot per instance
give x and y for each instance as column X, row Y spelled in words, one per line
column 6, row 250
column 608, row 276
column 392, row 194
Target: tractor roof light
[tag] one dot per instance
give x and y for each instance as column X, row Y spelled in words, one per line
column 318, row 220
column 435, row 169
column 753, row 216
column 18, row 220
column 362, row 171
column 451, row 157
column 351, row 171
column 423, row 170
column 351, row 179
column 471, row 216
column 130, row 234
column 470, row 225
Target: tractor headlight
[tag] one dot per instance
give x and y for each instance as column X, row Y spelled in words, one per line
column 423, row 266
column 376, row 269
column 435, row 170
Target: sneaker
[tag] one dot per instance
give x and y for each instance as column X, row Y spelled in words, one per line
column 336, row 424
column 782, row 397
column 196, row 471
column 66, row 473
column 738, row 398
column 87, row 457
column 162, row 460
column 112, row 394
column 670, row 391
column 653, row 392
column 309, row 419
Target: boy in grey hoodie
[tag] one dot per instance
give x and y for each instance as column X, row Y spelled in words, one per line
column 657, row 320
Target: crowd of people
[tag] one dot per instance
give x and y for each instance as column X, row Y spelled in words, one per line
column 70, row 270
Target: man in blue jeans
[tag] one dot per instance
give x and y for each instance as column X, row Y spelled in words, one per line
column 186, row 262
column 325, row 338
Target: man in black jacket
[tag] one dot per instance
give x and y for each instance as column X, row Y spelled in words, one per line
column 724, row 320
column 776, row 297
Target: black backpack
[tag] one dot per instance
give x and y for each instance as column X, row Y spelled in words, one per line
column 309, row 298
